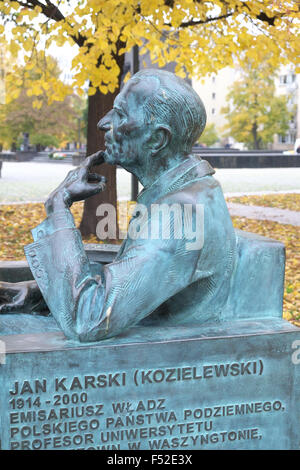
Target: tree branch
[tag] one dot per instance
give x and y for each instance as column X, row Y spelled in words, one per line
column 52, row 12
column 270, row 20
column 262, row 16
column 187, row 24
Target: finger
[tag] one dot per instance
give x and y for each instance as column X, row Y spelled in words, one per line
column 73, row 175
column 94, row 159
column 8, row 291
column 5, row 298
column 95, row 188
column 94, row 177
column 8, row 308
column 13, row 304
column 8, row 286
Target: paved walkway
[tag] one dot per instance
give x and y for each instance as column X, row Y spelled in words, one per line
column 282, row 216
column 33, row 181
column 239, row 180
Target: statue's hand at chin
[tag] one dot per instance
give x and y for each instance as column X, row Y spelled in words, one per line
column 78, row 185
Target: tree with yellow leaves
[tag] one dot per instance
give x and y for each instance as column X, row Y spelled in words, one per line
column 46, row 124
column 199, row 36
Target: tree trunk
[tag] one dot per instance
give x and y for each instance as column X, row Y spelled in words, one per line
column 256, row 139
column 98, row 106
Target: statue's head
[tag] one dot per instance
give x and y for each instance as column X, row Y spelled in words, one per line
column 156, row 115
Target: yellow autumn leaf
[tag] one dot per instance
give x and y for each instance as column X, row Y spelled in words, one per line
column 37, row 104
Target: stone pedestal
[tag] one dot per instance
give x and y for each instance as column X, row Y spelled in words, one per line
column 229, row 386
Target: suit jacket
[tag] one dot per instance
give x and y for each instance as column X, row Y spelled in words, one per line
column 156, row 278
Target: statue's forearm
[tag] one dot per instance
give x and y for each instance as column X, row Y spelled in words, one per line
column 55, row 202
column 63, row 280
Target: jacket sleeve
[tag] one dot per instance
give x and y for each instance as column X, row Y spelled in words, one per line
column 88, row 308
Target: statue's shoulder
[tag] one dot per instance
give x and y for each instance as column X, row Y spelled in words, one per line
column 192, row 192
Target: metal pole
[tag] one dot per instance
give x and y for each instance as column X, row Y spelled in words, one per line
column 135, row 69
column 79, row 129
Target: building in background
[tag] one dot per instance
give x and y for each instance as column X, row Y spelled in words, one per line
column 213, row 91
column 288, row 83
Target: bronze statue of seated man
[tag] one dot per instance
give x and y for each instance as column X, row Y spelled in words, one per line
column 157, row 279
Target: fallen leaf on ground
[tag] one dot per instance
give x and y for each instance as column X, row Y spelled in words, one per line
column 280, row 201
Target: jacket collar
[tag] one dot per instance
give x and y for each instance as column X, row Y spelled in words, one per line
column 190, row 169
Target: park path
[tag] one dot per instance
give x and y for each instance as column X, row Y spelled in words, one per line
column 282, row 216
column 32, row 181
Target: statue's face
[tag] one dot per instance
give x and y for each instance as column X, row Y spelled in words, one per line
column 125, row 132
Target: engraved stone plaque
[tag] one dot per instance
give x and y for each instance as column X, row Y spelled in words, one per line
column 188, row 388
